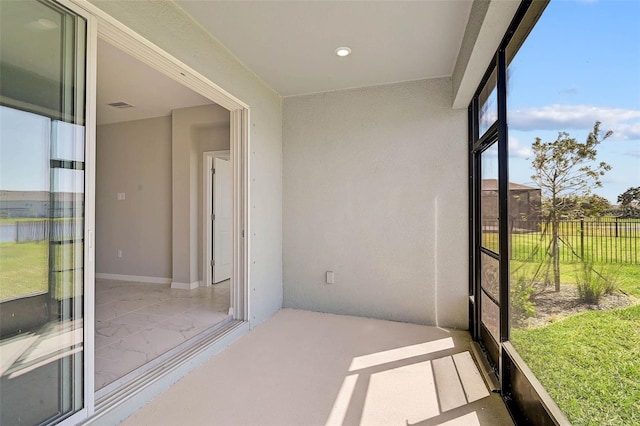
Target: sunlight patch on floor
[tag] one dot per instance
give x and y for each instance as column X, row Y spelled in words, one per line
column 414, row 392
column 401, row 395
column 393, row 355
column 343, row 400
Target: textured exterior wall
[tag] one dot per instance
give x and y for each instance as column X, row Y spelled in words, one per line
column 375, row 189
column 487, row 24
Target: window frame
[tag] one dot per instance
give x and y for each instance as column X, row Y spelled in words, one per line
column 527, row 400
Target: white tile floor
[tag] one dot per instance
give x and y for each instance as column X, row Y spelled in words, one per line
column 137, row 322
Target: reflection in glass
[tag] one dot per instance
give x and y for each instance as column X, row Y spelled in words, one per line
column 41, row 212
column 24, row 205
column 489, row 198
column 488, row 101
column 490, row 275
column 491, row 316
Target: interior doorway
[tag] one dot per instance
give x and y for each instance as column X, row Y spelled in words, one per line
column 149, row 130
column 217, row 214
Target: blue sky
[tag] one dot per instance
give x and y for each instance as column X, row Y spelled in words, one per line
column 24, row 151
column 581, row 63
column 26, row 148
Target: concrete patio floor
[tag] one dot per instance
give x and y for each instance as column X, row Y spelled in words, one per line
column 308, row 368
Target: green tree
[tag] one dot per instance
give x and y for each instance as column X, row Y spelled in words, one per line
column 575, row 207
column 629, row 202
column 565, row 169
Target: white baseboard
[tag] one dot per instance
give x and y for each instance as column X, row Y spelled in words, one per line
column 137, row 278
column 185, row 286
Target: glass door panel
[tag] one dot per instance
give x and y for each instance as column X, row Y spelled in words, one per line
column 489, row 199
column 490, row 281
column 42, row 186
column 488, row 252
column 488, row 102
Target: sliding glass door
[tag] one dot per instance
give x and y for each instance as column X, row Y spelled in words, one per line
column 485, row 189
column 542, row 242
column 488, row 251
column 42, row 212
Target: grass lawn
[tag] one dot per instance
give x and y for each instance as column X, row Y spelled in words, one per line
column 628, row 276
column 604, row 239
column 590, row 364
column 36, row 219
column 24, row 269
column 12, row 220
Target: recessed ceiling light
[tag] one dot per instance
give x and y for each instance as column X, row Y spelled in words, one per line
column 343, row 51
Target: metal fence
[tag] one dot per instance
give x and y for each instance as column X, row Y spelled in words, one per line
column 39, row 230
column 599, row 240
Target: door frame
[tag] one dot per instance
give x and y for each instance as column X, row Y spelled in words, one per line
column 88, row 296
column 207, row 198
column 102, row 25
column 133, row 44
column 88, row 317
column 491, row 344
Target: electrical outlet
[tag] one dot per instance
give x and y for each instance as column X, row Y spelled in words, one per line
column 330, row 277
column 119, row 253
column 121, row 196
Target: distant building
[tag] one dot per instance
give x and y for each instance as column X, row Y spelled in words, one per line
column 524, row 206
column 38, row 204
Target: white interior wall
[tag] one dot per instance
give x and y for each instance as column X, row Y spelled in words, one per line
column 134, row 158
column 167, row 26
column 194, row 130
column 375, row 189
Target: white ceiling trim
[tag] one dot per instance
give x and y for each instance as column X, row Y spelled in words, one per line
column 484, row 44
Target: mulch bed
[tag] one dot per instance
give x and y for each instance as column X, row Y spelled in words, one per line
column 552, row 306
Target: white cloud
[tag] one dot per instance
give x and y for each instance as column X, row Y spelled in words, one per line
column 625, row 123
column 627, row 131
column 518, row 149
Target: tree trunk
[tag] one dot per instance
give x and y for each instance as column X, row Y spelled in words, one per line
column 555, row 250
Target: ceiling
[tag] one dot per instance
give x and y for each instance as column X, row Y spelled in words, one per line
column 291, row 45
column 121, row 78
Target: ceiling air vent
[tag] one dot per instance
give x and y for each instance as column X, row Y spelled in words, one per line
column 120, row 105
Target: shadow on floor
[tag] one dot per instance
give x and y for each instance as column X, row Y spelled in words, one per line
column 310, row 368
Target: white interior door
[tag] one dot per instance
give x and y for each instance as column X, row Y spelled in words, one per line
column 222, row 197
